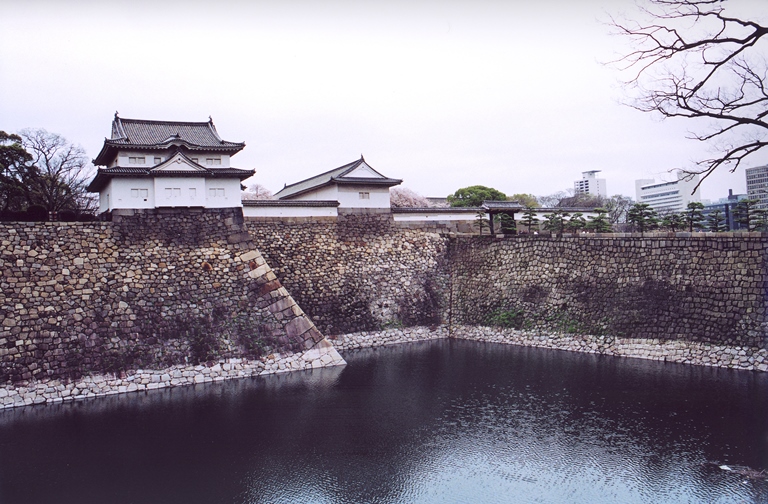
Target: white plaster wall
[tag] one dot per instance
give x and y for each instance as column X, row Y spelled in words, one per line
column 231, row 193
column 427, row 216
column 149, row 158
column 349, row 197
column 104, row 197
column 289, row 211
column 363, row 171
column 179, row 191
column 120, row 195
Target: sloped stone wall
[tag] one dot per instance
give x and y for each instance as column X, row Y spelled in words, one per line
column 151, row 289
column 359, row 272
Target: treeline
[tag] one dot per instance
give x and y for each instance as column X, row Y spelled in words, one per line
column 43, row 177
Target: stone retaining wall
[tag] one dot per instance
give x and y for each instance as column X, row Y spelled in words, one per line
column 152, row 289
column 52, row 391
column 684, row 352
column 700, row 287
column 360, row 272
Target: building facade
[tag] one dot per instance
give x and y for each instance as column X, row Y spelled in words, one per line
column 667, row 197
column 757, row 185
column 156, row 164
column 727, row 208
column 590, row 184
column 353, row 185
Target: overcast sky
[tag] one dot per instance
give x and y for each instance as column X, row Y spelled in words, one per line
column 442, row 94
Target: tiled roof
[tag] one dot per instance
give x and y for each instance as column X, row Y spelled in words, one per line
column 151, row 135
column 501, row 205
column 104, row 174
column 144, row 132
column 336, row 176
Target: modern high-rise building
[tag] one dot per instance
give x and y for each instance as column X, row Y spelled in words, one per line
column 589, row 184
column 668, row 196
column 757, row 185
column 727, row 208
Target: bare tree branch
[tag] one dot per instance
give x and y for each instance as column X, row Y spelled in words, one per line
column 62, row 172
column 690, row 59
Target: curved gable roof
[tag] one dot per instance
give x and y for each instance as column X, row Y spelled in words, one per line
column 152, row 135
column 338, row 176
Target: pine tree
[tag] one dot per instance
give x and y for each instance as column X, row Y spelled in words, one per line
column 716, row 221
column 643, row 217
column 529, row 220
column 599, row 223
column 694, row 215
column 576, row 223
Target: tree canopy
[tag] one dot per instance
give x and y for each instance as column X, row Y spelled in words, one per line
column 42, row 170
column 15, row 171
column 526, row 200
column 697, row 59
column 473, row 196
column 402, row 197
column 256, row 192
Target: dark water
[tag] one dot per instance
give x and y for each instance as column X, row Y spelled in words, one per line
column 439, row 422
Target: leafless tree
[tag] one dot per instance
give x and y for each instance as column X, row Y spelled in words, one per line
column 617, row 207
column 692, row 59
column 63, row 171
column 402, row 197
column 257, row 192
column 552, row 200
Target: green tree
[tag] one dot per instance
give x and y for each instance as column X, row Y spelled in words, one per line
column 576, row 223
column 555, row 222
column 599, row 223
column 694, row 215
column 700, row 59
column 473, row 196
column 15, row 174
column 673, row 221
column 529, row 220
column 526, row 200
column 642, row 217
column 481, row 221
column 506, row 223
column 716, row 221
column 746, row 214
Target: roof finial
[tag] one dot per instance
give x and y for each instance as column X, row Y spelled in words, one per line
column 115, row 114
column 210, row 119
column 361, row 157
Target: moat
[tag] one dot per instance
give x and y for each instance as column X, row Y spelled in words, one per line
column 435, row 422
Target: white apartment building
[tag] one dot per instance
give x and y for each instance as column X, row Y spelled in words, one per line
column 757, row 185
column 668, row 196
column 590, row 184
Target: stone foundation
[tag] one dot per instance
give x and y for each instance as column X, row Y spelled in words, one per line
column 58, row 391
column 684, row 352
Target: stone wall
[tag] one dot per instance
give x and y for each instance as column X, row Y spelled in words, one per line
column 151, row 289
column 695, row 287
column 679, row 351
column 174, row 291
column 359, row 272
column 365, row 273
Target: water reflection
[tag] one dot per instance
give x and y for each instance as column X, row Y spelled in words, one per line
column 435, row 422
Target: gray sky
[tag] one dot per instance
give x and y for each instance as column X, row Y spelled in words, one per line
column 443, row 94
